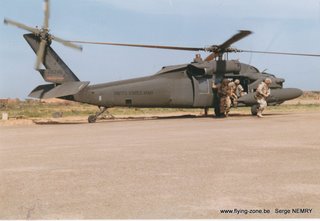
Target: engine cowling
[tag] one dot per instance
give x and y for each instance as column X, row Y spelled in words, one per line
column 213, row 67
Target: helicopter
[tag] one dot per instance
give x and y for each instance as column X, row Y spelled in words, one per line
column 176, row 86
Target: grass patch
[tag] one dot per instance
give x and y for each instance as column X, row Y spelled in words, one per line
column 37, row 109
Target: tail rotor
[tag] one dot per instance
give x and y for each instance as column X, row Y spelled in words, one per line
column 43, row 34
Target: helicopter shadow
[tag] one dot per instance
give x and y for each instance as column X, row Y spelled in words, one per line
column 153, row 118
column 52, row 122
column 121, row 119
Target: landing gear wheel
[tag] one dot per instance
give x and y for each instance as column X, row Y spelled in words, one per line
column 92, row 119
column 254, row 110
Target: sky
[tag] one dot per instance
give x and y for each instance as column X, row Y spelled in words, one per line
column 277, row 25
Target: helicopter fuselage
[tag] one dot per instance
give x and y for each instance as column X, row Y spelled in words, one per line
column 182, row 86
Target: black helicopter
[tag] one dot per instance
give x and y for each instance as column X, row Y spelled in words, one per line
column 178, row 86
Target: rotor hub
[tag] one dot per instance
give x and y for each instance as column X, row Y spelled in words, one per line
column 45, row 35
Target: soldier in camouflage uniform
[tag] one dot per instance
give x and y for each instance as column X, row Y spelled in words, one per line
column 239, row 89
column 262, row 93
column 224, row 93
column 233, row 96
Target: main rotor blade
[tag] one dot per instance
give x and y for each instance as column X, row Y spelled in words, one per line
column 20, row 25
column 234, row 38
column 66, row 43
column 142, row 46
column 46, row 14
column 40, row 54
column 280, row 53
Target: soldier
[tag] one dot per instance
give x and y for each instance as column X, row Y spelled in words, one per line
column 233, row 96
column 224, row 93
column 262, row 93
column 198, row 58
column 239, row 89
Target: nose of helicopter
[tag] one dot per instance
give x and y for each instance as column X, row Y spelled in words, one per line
column 276, row 96
column 287, row 93
column 284, row 94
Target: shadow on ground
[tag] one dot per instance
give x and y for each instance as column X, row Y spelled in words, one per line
column 142, row 118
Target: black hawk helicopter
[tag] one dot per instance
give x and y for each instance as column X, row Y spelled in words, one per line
column 178, row 86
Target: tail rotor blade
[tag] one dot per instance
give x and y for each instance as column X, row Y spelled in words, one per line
column 20, row 25
column 66, row 43
column 40, row 54
column 46, row 14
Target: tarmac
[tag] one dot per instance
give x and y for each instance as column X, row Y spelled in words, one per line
column 170, row 167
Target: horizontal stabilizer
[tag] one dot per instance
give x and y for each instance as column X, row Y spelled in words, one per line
column 51, row 91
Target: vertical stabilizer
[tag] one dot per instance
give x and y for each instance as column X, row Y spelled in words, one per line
column 56, row 70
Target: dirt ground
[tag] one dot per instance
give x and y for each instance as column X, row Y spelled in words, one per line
column 167, row 167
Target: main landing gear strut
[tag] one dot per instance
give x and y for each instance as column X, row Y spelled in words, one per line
column 93, row 118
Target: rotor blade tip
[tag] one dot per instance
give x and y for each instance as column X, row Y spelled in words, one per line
column 246, row 31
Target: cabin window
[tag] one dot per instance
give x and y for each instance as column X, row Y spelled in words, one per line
column 203, row 86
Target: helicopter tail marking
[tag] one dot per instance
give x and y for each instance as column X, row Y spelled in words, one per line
column 51, row 90
column 56, row 70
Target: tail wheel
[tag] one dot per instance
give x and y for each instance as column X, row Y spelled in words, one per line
column 92, row 119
